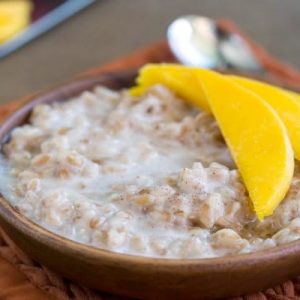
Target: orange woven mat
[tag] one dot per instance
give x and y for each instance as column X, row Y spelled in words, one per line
column 24, row 279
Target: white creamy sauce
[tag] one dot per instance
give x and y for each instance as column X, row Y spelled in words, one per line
column 148, row 176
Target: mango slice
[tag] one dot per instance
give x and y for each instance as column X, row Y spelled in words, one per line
column 285, row 104
column 177, row 78
column 256, row 137
column 253, row 131
column 14, row 16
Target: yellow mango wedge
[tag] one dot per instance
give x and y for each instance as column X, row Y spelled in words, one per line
column 177, row 78
column 256, row 136
column 285, row 104
column 14, row 16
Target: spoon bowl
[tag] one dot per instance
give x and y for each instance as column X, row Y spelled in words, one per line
column 201, row 42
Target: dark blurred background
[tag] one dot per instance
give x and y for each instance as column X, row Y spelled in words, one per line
column 110, row 28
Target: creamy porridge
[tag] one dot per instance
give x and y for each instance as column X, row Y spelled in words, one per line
column 151, row 177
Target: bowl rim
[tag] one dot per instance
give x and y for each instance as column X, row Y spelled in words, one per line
column 68, row 246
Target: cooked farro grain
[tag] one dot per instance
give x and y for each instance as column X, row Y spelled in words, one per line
column 151, row 177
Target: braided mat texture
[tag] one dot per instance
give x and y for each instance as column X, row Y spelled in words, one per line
column 59, row 288
column 43, row 278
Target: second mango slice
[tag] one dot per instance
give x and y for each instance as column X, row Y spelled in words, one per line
column 256, row 137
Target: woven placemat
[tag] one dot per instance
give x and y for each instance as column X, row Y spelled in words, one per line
column 62, row 289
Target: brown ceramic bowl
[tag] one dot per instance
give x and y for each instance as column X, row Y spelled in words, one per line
column 134, row 276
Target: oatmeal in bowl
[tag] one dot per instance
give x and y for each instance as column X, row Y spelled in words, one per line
column 147, row 175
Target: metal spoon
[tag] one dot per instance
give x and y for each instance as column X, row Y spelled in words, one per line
column 198, row 41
